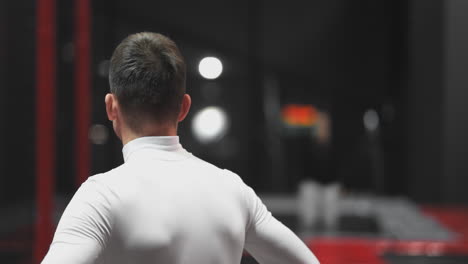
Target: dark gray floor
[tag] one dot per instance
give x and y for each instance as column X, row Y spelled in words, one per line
column 395, row 259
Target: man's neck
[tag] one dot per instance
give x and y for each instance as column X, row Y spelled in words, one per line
column 129, row 135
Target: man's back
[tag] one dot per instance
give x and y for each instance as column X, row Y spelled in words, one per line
column 176, row 209
column 166, row 206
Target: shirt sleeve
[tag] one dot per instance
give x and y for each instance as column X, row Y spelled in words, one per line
column 84, row 228
column 268, row 240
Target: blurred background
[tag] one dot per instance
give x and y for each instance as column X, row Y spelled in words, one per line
column 347, row 117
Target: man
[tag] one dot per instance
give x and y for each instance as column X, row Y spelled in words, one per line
column 163, row 205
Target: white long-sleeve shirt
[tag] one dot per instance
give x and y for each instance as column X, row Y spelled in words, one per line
column 164, row 205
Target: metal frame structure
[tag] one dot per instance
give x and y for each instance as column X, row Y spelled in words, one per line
column 46, row 76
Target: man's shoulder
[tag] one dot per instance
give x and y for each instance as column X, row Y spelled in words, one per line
column 104, row 186
column 221, row 171
column 108, row 178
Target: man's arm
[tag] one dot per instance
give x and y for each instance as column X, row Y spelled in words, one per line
column 269, row 241
column 84, row 227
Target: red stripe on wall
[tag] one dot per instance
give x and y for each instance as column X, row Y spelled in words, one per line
column 45, row 124
column 82, row 87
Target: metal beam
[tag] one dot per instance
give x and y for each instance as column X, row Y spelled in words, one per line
column 82, row 88
column 45, row 124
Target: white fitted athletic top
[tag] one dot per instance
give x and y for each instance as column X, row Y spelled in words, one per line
column 163, row 205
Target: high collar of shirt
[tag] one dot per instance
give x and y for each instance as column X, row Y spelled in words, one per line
column 163, row 147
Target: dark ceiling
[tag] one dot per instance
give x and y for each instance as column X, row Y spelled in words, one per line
column 284, row 34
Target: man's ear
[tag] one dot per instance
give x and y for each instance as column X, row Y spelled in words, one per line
column 111, row 106
column 185, row 107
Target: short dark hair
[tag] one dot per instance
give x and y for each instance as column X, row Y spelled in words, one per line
column 147, row 75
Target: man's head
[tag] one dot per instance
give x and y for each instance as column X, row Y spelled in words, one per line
column 147, row 85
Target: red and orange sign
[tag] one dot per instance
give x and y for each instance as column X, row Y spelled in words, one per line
column 299, row 115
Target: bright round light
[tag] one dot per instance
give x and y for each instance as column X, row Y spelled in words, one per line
column 210, row 67
column 371, row 120
column 210, row 124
